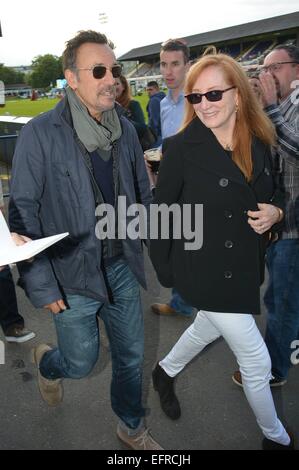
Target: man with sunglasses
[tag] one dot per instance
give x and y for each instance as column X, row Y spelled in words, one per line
column 174, row 65
column 68, row 163
column 279, row 88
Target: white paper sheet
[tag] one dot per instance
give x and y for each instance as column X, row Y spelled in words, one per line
column 10, row 253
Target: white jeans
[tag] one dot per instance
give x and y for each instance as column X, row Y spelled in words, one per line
column 245, row 341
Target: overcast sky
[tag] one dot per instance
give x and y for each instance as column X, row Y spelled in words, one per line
column 38, row 27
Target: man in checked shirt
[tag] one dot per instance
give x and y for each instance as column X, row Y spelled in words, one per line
column 279, row 88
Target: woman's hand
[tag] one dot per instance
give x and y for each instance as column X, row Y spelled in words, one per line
column 262, row 220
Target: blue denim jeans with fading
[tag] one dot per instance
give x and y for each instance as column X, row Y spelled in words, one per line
column 282, row 304
column 177, row 303
column 78, row 342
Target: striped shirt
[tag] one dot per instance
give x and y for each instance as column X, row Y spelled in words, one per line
column 285, row 117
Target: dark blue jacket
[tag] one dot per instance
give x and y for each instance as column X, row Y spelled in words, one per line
column 51, row 192
column 153, row 111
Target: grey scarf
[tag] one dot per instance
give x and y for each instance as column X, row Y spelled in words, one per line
column 93, row 135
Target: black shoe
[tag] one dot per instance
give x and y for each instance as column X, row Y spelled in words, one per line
column 164, row 385
column 275, row 382
column 18, row 334
column 267, row 444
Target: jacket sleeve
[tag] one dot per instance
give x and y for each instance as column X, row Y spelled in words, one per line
column 137, row 117
column 288, row 136
column 168, row 191
column 278, row 197
column 142, row 184
column 155, row 120
column 27, row 186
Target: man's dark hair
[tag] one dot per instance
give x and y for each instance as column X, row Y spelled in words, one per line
column 176, row 45
column 69, row 55
column 153, row 83
column 292, row 51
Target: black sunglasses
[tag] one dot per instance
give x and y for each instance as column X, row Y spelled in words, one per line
column 99, row 71
column 213, row 95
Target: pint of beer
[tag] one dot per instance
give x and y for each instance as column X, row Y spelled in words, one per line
column 153, row 156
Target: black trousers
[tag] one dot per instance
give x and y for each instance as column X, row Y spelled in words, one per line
column 9, row 314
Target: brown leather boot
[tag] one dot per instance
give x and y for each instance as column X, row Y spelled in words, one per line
column 50, row 390
column 163, row 309
column 141, row 441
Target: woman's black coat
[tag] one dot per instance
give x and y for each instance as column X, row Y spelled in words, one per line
column 225, row 274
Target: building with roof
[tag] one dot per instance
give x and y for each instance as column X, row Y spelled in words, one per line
column 248, row 43
column 279, row 28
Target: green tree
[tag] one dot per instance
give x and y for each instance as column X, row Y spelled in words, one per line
column 46, row 69
column 9, row 76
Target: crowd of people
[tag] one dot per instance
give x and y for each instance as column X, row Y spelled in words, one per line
column 228, row 145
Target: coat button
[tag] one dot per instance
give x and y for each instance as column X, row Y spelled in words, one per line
column 228, row 244
column 228, row 274
column 228, row 214
column 223, row 182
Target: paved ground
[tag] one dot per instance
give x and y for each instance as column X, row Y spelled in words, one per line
column 215, row 414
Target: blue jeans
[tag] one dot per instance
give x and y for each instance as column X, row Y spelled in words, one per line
column 282, row 303
column 78, row 342
column 177, row 303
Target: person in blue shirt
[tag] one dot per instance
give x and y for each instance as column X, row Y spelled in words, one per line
column 174, row 65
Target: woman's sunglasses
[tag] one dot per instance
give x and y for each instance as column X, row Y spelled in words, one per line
column 213, row 95
column 99, row 71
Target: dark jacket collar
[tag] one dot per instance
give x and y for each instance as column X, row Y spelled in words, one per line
column 206, row 151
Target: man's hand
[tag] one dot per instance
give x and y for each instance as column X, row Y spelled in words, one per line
column 268, row 89
column 20, row 239
column 256, row 86
column 56, row 307
column 262, row 220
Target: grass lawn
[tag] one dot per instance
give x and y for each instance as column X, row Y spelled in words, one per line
column 143, row 100
column 27, row 107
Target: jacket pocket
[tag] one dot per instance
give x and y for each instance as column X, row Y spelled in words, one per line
column 69, row 267
column 67, row 190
